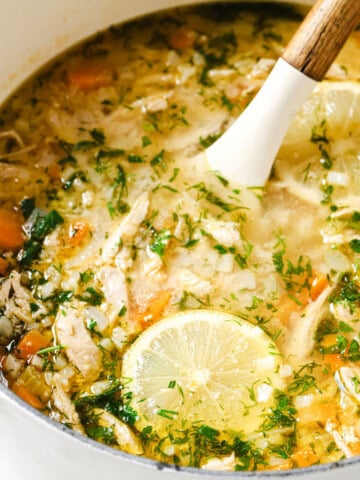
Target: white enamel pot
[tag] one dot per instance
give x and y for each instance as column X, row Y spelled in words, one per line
column 33, row 447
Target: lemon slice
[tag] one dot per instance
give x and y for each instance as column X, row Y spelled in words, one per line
column 319, row 159
column 202, row 367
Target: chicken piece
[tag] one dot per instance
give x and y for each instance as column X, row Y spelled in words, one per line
column 301, row 339
column 125, row 232
column 226, row 233
column 63, row 403
column 116, row 293
column 79, row 346
column 125, row 438
column 221, row 464
column 15, row 299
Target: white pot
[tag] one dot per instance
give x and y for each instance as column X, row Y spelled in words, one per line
column 32, row 447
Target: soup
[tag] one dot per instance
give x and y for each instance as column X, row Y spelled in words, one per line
column 147, row 302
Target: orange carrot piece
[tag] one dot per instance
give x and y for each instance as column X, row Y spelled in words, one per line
column 182, row 38
column 90, row 77
column 54, row 171
column 3, row 266
column 288, row 305
column 317, row 412
column 31, row 343
column 334, row 361
column 355, row 448
column 304, row 458
column 154, row 310
column 79, row 231
column 28, row 397
column 318, row 284
column 11, row 235
column 329, row 340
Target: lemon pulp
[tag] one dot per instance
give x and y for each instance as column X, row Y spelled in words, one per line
column 319, row 160
column 202, row 367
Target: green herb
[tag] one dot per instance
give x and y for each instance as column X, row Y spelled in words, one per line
column 327, row 190
column 303, row 380
column 355, row 245
column 92, row 296
column 122, row 311
column 347, row 293
column 63, row 296
column 174, row 175
column 102, row 434
column 158, row 161
column 226, row 102
column 205, row 142
column 339, row 346
column 135, row 159
column 355, row 221
column 319, row 133
column 27, row 206
column 210, row 197
column 189, row 241
column 34, row 307
column 282, row 414
column 41, row 227
column 326, row 161
column 292, row 274
column 111, row 209
column 160, row 242
column 354, row 351
column 285, row 449
column 169, row 414
column 146, row 141
column 109, row 400
column 221, row 249
column 55, row 348
column 86, row 276
column 70, row 181
column 172, row 384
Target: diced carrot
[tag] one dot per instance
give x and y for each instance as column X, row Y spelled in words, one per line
column 329, row 340
column 289, row 305
column 304, row 458
column 31, row 343
column 355, row 448
column 3, row 266
column 54, row 171
column 182, row 38
column 79, row 231
column 28, row 397
column 153, row 311
column 317, row 412
column 89, row 76
column 334, row 361
column 11, row 235
column 318, row 284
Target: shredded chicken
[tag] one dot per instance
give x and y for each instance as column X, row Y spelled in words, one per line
column 64, row 404
column 301, row 338
column 79, row 346
column 125, row 438
column 15, row 299
column 127, row 229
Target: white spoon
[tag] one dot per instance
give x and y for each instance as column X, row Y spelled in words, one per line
column 244, row 154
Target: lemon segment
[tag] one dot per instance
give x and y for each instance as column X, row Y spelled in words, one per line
column 202, row 367
column 321, row 147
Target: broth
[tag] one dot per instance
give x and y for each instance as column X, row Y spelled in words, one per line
column 108, row 224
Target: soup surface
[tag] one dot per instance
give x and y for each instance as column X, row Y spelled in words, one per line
column 147, row 302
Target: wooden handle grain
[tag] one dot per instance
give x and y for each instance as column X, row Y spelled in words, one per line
column 321, row 36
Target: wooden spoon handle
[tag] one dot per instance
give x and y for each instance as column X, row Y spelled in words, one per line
column 321, row 36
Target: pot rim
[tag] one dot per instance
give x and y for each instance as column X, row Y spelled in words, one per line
column 147, row 462
column 7, row 395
